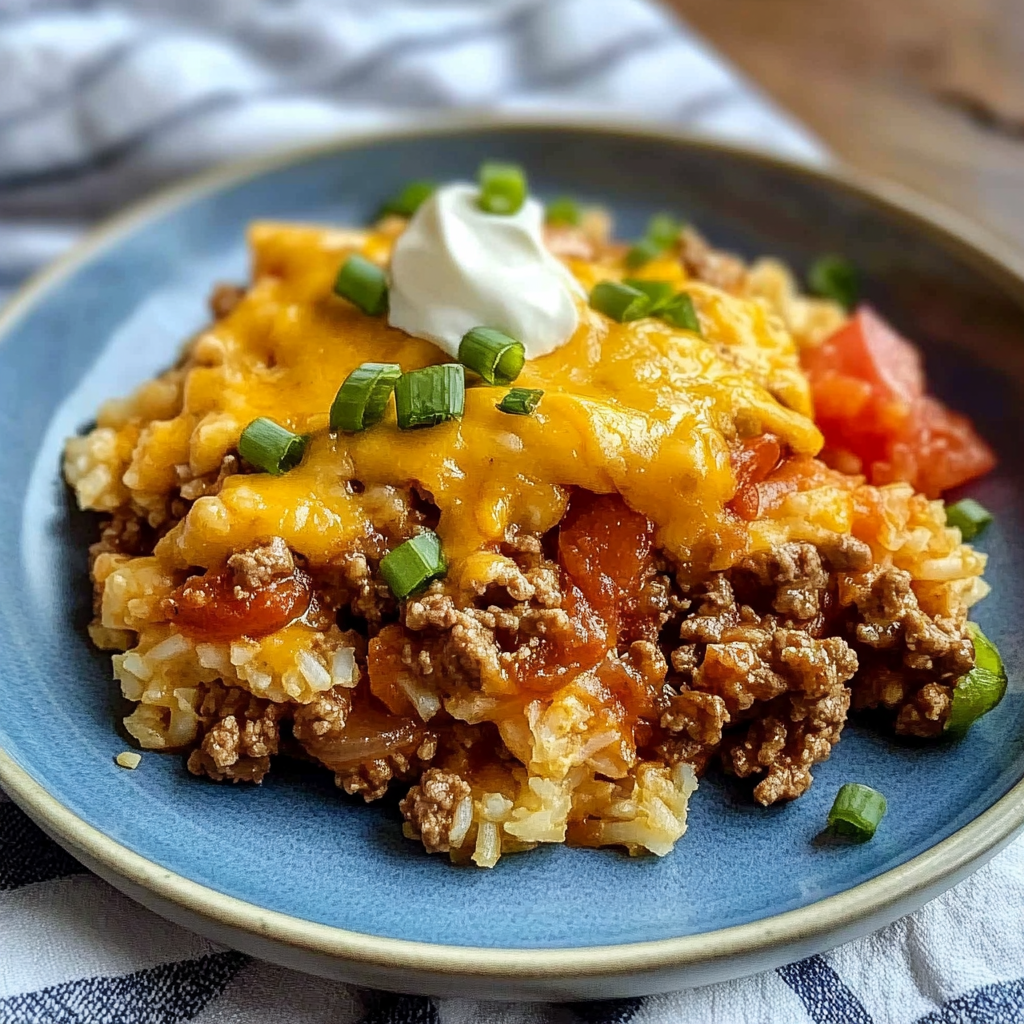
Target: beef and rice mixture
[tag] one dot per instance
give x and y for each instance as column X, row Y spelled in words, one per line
column 570, row 680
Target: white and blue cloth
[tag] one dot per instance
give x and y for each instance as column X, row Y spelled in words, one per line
column 100, row 102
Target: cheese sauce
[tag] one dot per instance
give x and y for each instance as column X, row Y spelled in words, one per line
column 639, row 408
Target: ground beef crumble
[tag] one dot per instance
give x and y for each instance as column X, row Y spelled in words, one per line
column 774, row 650
column 911, row 660
column 479, row 645
column 768, row 657
column 240, row 734
column 124, row 533
column 372, row 778
column 890, row 619
column 797, row 683
column 322, row 721
column 796, row 574
column 762, row 662
column 258, row 566
column 712, row 266
column 368, row 598
column 430, row 807
column 194, row 487
column 695, row 722
column 784, row 742
column 925, row 713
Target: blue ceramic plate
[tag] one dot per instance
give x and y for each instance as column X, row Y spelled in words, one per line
column 298, row 872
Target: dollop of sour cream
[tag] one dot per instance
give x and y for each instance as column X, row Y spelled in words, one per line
column 456, row 267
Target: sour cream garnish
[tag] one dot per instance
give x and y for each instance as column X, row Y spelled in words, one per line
column 456, row 267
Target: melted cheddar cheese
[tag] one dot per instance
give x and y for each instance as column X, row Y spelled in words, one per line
column 640, row 408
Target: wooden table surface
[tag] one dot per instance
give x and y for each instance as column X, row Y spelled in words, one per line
column 927, row 92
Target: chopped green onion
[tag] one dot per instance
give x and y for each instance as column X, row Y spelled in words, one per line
column 986, row 655
column 643, row 252
column 270, row 447
column 663, row 229
column 502, row 188
column 970, row 516
column 662, row 233
column 409, row 200
column 856, row 812
column 680, row 313
column 520, row 401
column 563, row 211
column 430, row 396
column 981, row 689
column 364, row 284
column 413, row 564
column 495, row 356
column 659, row 292
column 363, row 396
column 833, row 277
column 619, row 301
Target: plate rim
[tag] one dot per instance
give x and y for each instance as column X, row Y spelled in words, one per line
column 877, row 901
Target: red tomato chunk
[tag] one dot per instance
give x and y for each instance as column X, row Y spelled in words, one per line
column 209, row 606
column 605, row 547
column 871, row 404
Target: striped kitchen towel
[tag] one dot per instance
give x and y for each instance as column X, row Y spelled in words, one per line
column 100, row 103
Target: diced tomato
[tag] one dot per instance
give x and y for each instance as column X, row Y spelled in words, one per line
column 635, row 692
column 606, row 548
column 752, row 460
column 941, row 451
column 556, row 659
column 868, row 349
column 871, row 404
column 384, row 666
column 794, row 474
column 840, row 398
column 209, row 607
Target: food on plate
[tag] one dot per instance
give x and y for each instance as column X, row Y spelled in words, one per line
column 856, row 812
column 969, row 516
column 533, row 525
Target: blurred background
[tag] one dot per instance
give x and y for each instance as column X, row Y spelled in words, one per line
column 927, row 92
column 102, row 101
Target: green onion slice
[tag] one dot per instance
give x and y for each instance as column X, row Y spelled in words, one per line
column 502, row 188
column 981, row 689
column 643, row 252
column 660, row 293
column 364, row 284
column 833, row 277
column 520, row 401
column 970, row 516
column 681, row 313
column 495, row 356
column 662, row 233
column 563, row 211
column 409, row 200
column 413, row 564
column 663, row 229
column 856, row 812
column 619, row 301
column 270, row 447
column 986, row 655
column 363, row 396
column 430, row 396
